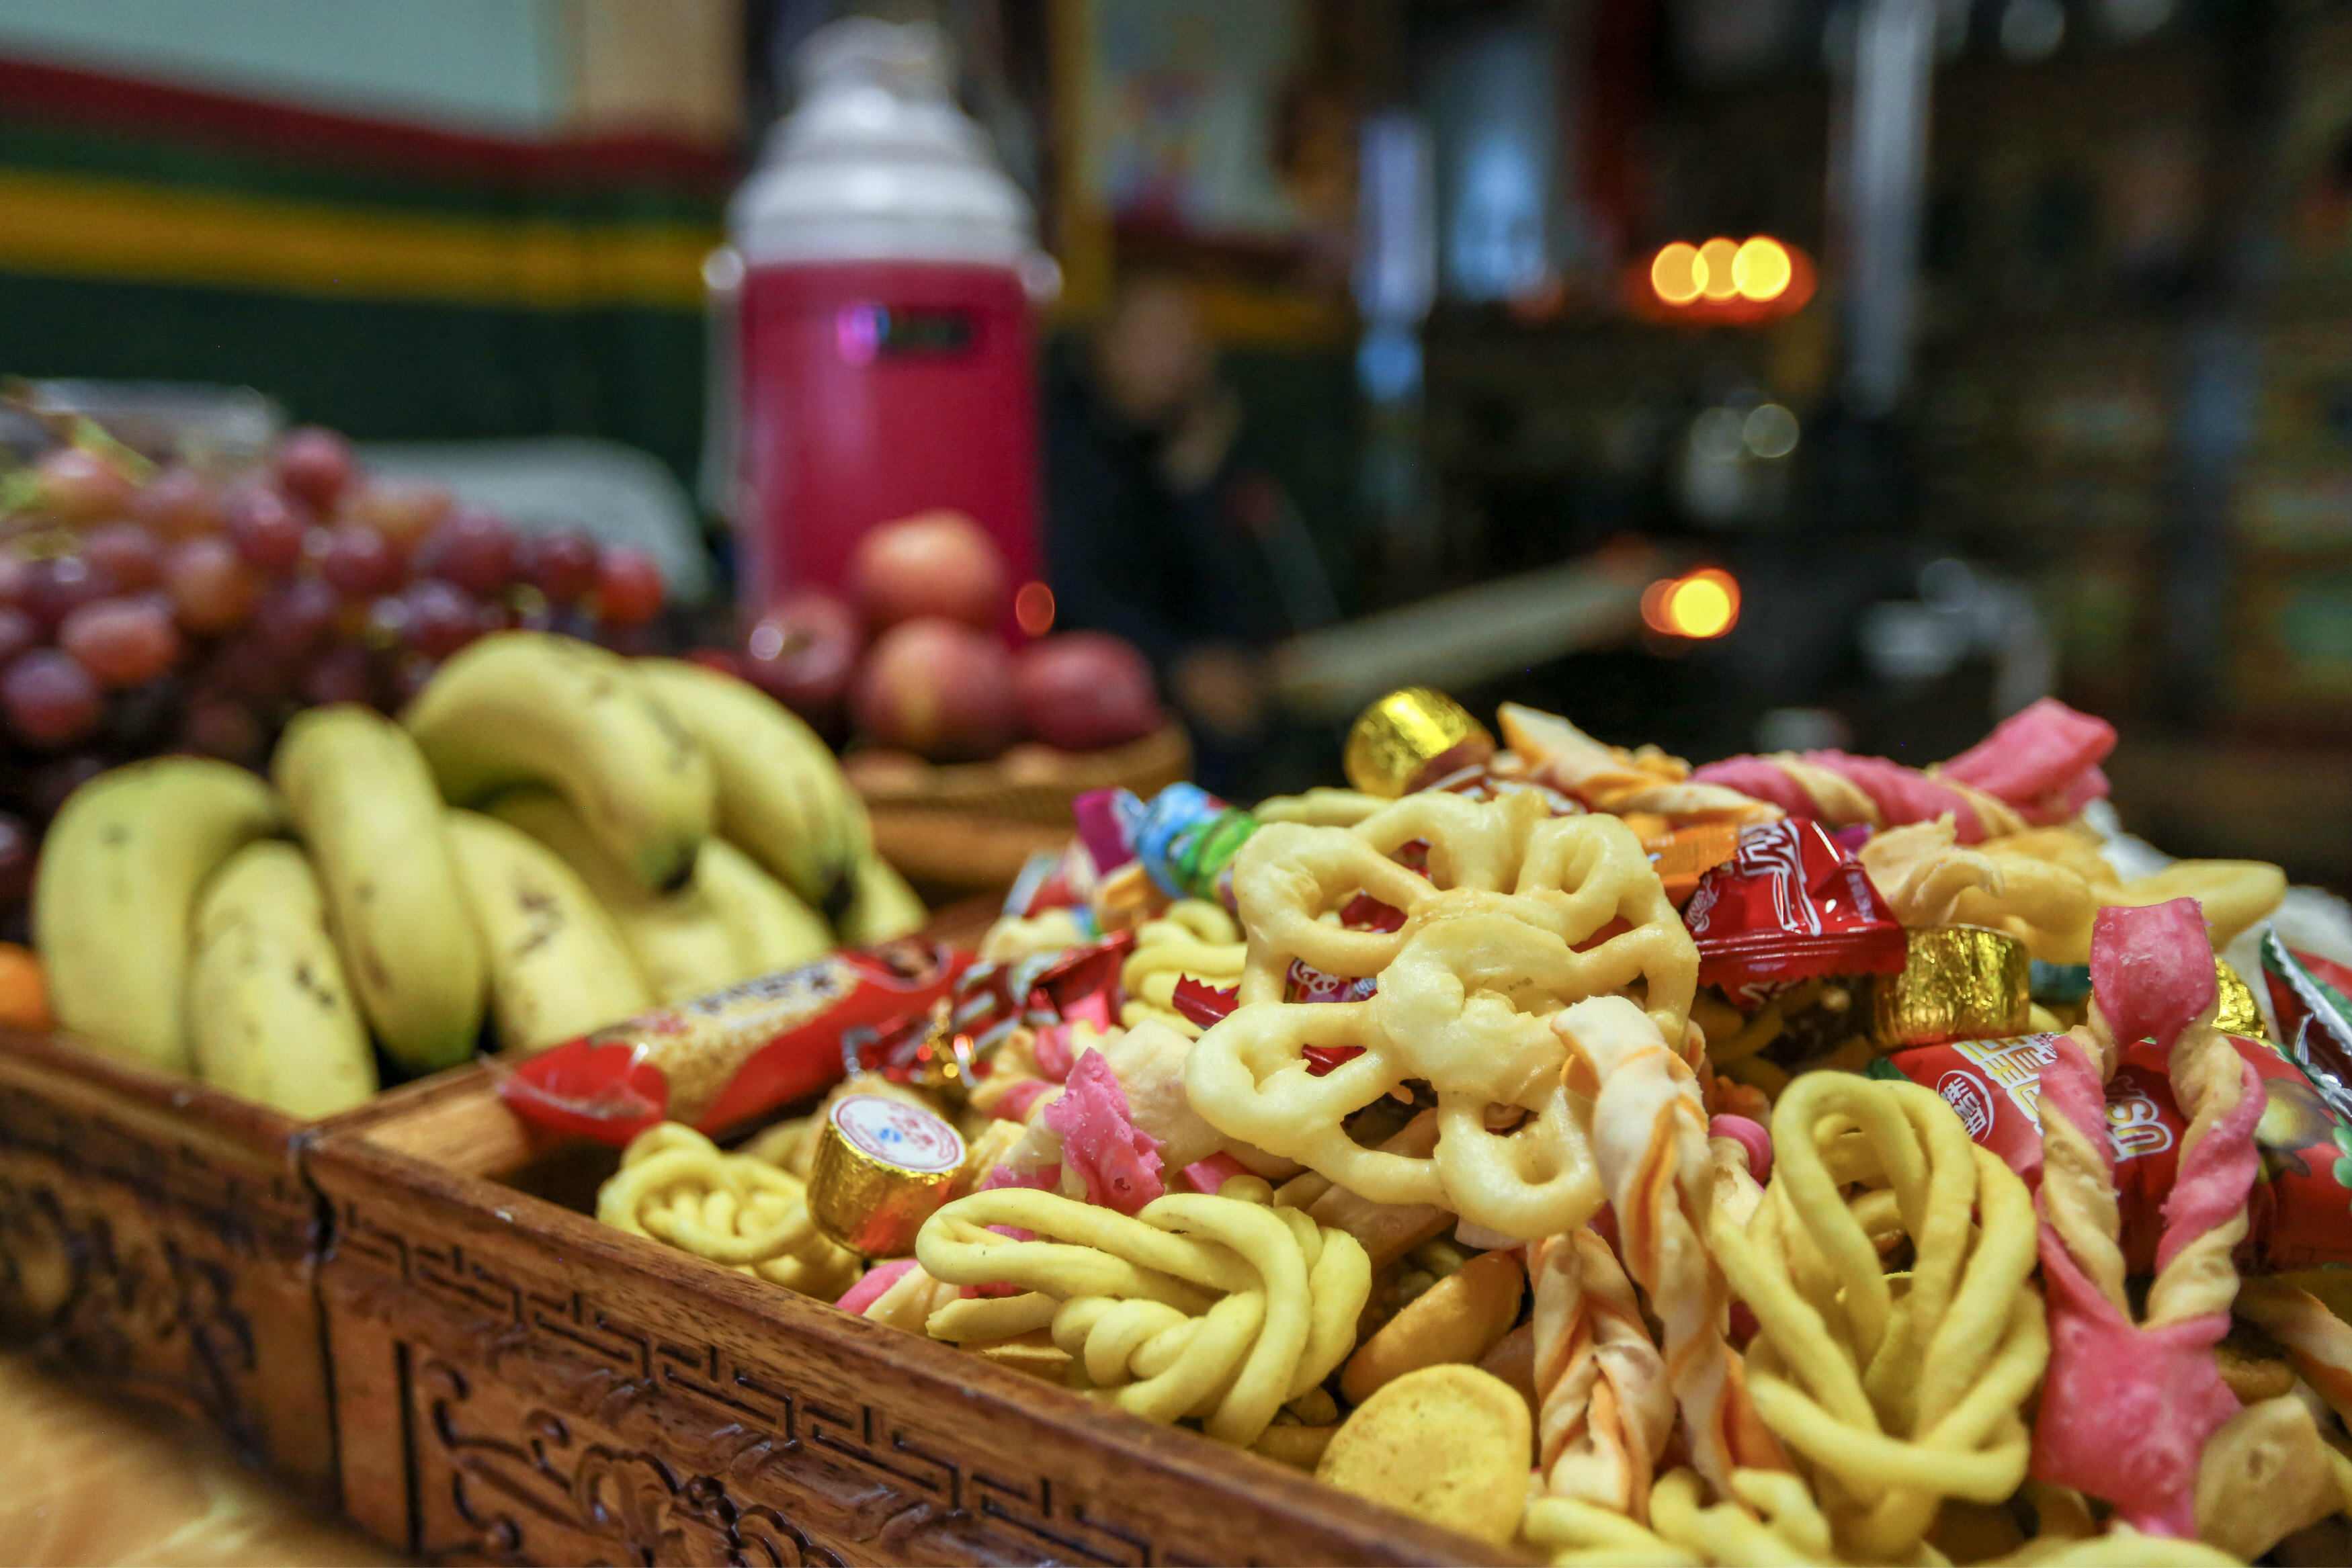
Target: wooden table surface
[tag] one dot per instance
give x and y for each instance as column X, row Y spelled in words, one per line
column 93, row 1479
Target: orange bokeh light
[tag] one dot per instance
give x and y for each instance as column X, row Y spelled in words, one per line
column 1678, row 273
column 1724, row 281
column 1700, row 605
column 1714, row 279
column 1033, row 609
column 1760, row 269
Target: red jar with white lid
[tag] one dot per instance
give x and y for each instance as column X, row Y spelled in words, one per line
column 883, row 340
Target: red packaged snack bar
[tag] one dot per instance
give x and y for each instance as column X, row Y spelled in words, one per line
column 1789, row 906
column 2299, row 1214
column 720, row 1059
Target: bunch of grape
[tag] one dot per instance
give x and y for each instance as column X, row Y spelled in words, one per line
column 151, row 608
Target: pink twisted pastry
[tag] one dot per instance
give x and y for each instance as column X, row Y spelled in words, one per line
column 1650, row 1144
column 2127, row 1409
column 2038, row 766
column 1604, row 1408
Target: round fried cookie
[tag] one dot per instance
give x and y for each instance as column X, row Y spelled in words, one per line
column 1449, row 1444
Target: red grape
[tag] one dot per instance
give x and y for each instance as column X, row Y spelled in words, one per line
column 122, row 642
column 341, row 674
column 15, row 578
column 248, row 669
column 293, row 617
column 16, row 848
column 126, row 552
column 211, row 590
column 53, row 781
column 359, row 562
column 387, row 622
column 51, row 700
column 58, row 587
column 411, row 675
column 81, row 487
column 442, row 617
column 402, row 513
column 267, row 529
column 315, row 465
column 178, row 504
column 562, row 565
column 472, row 549
column 628, row 587
column 18, row 632
column 222, row 728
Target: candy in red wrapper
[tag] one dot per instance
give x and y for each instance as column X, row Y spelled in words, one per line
column 1197, row 1001
column 1789, row 906
column 2308, row 997
column 721, row 1059
column 1073, row 985
column 2299, row 1213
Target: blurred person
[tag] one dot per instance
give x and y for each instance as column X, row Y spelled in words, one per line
column 1153, row 532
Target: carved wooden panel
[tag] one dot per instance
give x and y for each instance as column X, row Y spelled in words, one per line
column 551, row 1391
column 167, row 1254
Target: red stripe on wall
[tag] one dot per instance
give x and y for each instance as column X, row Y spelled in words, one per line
column 60, row 94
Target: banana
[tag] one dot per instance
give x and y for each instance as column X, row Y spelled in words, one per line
column 364, row 804
column 269, row 1014
column 772, row 930
column 557, row 966
column 682, row 946
column 119, row 876
column 528, row 707
column 782, row 798
column 881, row 906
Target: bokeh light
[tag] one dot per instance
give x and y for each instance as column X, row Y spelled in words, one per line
column 1760, row 269
column 1700, row 605
column 1675, row 273
column 1033, row 609
column 1714, row 269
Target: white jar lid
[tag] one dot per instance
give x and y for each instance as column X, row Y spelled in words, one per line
column 877, row 163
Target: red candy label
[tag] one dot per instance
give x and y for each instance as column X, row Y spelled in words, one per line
column 1790, row 905
column 2299, row 1214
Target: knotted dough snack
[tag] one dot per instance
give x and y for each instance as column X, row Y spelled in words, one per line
column 1225, row 1308
column 1900, row 1399
column 1522, row 915
column 678, row 1187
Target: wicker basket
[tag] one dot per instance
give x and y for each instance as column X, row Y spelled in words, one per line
column 970, row 825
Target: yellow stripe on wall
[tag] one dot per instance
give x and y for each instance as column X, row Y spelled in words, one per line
column 117, row 229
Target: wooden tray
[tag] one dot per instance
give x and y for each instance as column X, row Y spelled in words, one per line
column 157, row 1237
column 972, row 825
column 516, row 1383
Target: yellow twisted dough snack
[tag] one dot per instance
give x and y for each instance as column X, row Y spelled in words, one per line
column 1505, row 931
column 1649, row 1139
column 1784, row 1526
column 1320, row 807
column 2044, row 885
column 676, row 1186
column 1194, row 937
column 1223, row 1308
column 1899, row 1399
column 1604, row 1410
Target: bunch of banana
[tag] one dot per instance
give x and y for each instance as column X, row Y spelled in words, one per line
column 552, row 836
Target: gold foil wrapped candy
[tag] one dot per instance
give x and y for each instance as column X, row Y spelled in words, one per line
column 882, row 1167
column 1411, row 736
column 1958, row 982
